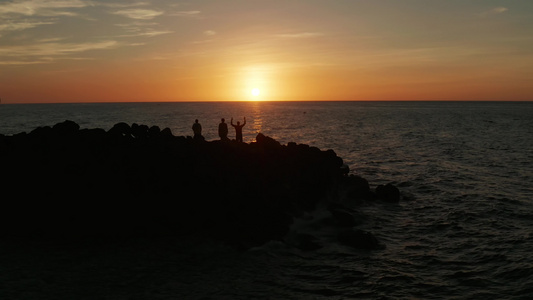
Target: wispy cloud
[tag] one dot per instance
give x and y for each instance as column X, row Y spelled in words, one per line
column 50, row 52
column 134, row 26
column 14, row 26
column 499, row 10
column 21, row 62
column 188, row 13
column 139, row 28
column 148, row 33
column 138, row 13
column 300, row 35
column 49, row 40
column 156, row 33
column 494, row 11
column 55, row 49
column 26, row 14
column 210, row 32
column 42, row 7
column 42, row 60
column 124, row 5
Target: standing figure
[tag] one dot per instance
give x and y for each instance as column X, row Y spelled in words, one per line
column 238, row 129
column 223, row 130
column 197, row 129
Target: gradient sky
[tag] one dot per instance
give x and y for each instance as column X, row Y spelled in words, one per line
column 211, row 50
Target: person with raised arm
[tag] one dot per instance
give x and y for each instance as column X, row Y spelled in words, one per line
column 238, row 129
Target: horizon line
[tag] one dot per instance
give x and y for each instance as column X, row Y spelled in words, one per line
column 253, row 101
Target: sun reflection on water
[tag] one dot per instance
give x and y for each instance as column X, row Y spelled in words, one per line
column 257, row 119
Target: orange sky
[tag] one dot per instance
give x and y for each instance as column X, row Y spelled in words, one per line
column 101, row 51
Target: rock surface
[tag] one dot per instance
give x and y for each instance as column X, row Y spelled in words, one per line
column 388, row 193
column 67, row 181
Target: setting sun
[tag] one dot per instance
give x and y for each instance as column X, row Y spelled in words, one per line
column 51, row 51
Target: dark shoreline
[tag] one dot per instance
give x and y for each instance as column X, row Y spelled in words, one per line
column 136, row 180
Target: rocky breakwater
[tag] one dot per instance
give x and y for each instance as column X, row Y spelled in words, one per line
column 63, row 181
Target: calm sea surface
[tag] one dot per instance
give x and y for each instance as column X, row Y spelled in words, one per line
column 465, row 231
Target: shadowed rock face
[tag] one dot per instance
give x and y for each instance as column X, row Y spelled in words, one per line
column 388, row 193
column 67, row 181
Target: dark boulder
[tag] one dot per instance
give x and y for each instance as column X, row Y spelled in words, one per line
column 388, row 193
column 139, row 131
column 266, row 141
column 357, row 188
column 345, row 169
column 41, row 132
column 92, row 135
column 343, row 217
column 154, row 131
column 66, row 128
column 166, row 133
column 121, row 128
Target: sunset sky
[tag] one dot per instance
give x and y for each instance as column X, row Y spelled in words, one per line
column 214, row 50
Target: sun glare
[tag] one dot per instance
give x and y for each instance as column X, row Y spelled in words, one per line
column 256, row 92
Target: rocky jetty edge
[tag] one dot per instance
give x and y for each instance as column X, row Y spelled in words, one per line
column 66, row 182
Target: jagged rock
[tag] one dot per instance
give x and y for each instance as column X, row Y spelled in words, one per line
column 345, row 169
column 166, row 132
column 343, row 217
column 92, row 134
column 121, row 129
column 40, row 132
column 154, row 131
column 266, row 141
column 139, row 131
column 358, row 188
column 388, row 193
column 130, row 179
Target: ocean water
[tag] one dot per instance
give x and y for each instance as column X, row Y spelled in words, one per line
column 462, row 231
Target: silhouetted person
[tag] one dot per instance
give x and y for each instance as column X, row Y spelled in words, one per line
column 197, row 129
column 223, row 130
column 238, row 129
